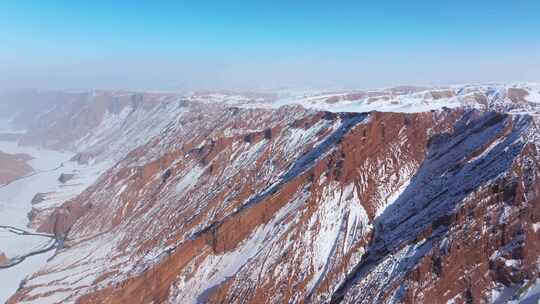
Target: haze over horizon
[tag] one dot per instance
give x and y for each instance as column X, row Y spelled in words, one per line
column 246, row 45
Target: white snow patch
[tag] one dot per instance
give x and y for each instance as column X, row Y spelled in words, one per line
column 392, row 198
column 189, row 180
column 536, row 226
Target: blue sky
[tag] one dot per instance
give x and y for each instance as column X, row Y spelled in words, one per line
column 265, row 44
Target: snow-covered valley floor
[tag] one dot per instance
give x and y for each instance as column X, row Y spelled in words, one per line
column 26, row 251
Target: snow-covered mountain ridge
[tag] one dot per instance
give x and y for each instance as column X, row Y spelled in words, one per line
column 512, row 98
column 74, row 115
column 250, row 198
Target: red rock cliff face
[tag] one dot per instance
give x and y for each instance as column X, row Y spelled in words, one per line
column 295, row 206
column 462, row 229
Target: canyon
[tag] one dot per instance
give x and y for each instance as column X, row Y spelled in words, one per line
column 395, row 195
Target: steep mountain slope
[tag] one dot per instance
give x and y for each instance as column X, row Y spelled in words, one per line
column 201, row 201
column 465, row 223
column 99, row 124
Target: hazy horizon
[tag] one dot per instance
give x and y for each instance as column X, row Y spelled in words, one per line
column 250, row 46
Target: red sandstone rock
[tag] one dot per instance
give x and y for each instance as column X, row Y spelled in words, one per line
column 3, row 259
column 13, row 167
